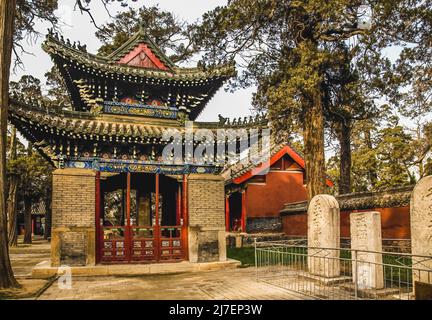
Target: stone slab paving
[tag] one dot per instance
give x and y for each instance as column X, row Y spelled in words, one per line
column 24, row 257
column 227, row 284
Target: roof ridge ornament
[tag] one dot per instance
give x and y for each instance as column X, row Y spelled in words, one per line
column 142, row 30
column 259, row 119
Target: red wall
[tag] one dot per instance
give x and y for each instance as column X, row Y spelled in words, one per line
column 295, row 224
column 395, row 223
column 281, row 187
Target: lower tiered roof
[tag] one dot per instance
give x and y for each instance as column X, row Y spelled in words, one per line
column 52, row 131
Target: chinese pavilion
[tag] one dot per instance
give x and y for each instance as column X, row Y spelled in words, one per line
column 114, row 199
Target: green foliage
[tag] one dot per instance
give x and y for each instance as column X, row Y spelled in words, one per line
column 428, row 167
column 27, row 86
column 394, row 153
column 291, row 49
column 394, row 156
column 245, row 255
column 34, row 174
column 57, row 95
column 33, row 171
column 409, row 81
column 169, row 33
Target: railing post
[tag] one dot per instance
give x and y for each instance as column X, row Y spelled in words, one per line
column 355, row 276
column 256, row 260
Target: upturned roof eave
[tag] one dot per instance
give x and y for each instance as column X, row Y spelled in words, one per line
column 85, row 123
column 55, row 47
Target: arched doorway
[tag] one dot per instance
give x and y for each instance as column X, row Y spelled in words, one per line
column 140, row 219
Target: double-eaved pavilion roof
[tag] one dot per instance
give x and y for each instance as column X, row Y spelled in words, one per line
column 138, row 61
column 122, row 141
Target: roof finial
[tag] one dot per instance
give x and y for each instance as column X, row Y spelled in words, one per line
column 142, row 26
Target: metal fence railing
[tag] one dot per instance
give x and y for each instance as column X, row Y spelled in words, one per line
column 340, row 273
column 388, row 245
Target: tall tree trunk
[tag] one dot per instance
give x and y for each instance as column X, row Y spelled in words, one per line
column 12, row 211
column 373, row 176
column 7, row 16
column 420, row 164
column 12, row 195
column 344, row 136
column 313, row 135
column 27, row 220
column 29, row 149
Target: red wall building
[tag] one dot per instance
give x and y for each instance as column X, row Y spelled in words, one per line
column 255, row 197
column 275, row 200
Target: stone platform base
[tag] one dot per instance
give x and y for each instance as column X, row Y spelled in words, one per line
column 370, row 293
column 44, row 270
column 324, row 280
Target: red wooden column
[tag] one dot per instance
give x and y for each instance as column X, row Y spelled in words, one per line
column 185, row 218
column 156, row 230
column 128, row 239
column 243, row 212
column 178, row 205
column 97, row 217
column 227, row 213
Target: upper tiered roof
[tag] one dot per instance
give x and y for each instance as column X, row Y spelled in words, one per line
column 92, row 79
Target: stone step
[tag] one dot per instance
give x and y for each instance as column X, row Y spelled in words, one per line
column 44, row 269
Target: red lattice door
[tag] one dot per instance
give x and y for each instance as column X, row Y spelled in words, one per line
column 123, row 240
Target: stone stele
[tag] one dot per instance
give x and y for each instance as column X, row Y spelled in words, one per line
column 365, row 237
column 324, row 232
column 421, row 230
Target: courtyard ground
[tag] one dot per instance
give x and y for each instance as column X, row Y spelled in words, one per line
column 226, row 284
column 23, row 259
column 230, row 284
column 26, row 256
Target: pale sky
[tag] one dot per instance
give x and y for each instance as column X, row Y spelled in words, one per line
column 77, row 27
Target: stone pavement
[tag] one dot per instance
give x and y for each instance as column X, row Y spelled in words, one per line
column 224, row 284
column 227, row 284
column 25, row 256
